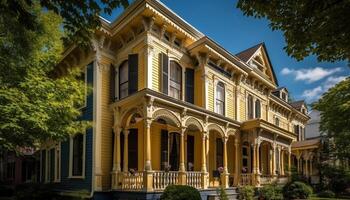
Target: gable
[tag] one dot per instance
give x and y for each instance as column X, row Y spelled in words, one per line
column 258, row 58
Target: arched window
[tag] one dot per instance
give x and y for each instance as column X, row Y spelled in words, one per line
column 250, row 107
column 277, row 121
column 123, row 80
column 220, row 98
column 257, row 109
column 175, row 80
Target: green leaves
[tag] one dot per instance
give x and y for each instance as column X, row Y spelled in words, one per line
column 34, row 106
column 310, row 27
column 335, row 117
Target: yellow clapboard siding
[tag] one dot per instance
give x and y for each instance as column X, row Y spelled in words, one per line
column 210, row 97
column 230, row 108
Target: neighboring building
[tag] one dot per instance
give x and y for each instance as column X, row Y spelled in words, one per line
column 307, row 151
column 18, row 168
column 171, row 106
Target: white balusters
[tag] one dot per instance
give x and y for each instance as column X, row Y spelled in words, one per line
column 162, row 179
column 132, row 181
column 194, row 179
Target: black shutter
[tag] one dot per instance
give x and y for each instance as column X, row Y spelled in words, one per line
column 133, row 73
column 112, row 83
column 189, row 85
column 165, row 72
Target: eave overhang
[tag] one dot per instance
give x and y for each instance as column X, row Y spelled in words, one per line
column 260, row 123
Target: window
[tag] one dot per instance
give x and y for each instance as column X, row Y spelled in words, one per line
column 164, row 149
column 175, row 80
column 250, row 107
column 132, row 149
column 11, row 166
column 77, row 156
column 277, row 121
column 123, row 80
column 245, row 157
column 284, row 96
column 257, row 109
column 220, row 98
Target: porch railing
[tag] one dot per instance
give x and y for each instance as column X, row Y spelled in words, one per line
column 246, row 179
column 162, row 179
column 194, row 179
column 132, row 181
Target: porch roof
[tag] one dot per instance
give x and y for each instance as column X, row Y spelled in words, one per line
column 260, row 123
column 306, row 144
column 136, row 98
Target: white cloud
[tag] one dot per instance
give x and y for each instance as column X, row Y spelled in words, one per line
column 332, row 80
column 310, row 75
column 315, row 93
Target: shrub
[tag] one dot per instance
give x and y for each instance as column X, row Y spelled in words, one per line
column 246, row 192
column 5, row 191
column 326, row 194
column 222, row 194
column 180, row 192
column 270, row 192
column 335, row 178
column 296, row 190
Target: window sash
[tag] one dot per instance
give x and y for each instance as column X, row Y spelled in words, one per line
column 77, row 167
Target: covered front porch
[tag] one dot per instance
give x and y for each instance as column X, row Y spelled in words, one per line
column 159, row 142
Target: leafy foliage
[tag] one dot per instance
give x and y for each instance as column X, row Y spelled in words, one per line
column 309, row 27
column 34, row 106
column 326, row 194
column 296, row 190
column 180, row 192
column 246, row 192
column 335, row 118
column 335, row 178
column 270, row 192
column 80, row 18
column 222, row 194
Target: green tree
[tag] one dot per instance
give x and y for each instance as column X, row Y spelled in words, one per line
column 80, row 17
column 334, row 106
column 34, row 105
column 313, row 27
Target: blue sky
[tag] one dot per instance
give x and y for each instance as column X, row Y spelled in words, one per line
column 225, row 24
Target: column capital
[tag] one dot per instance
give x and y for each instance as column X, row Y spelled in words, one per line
column 148, row 122
column 126, row 131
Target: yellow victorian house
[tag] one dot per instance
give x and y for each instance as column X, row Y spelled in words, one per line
column 171, row 106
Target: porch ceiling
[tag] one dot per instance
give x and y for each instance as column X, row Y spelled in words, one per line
column 260, row 123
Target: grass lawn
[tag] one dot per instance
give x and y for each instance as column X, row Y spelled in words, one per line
column 314, row 197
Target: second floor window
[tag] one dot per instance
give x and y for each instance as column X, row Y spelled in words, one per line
column 257, row 109
column 277, row 121
column 175, row 80
column 250, row 107
column 220, row 98
column 123, row 80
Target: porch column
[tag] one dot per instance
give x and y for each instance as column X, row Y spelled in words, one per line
column 306, row 168
column 256, row 170
column 224, row 175
column 274, row 160
column 182, row 170
column 147, row 176
column 298, row 165
column 289, row 163
column 282, row 163
column 126, row 153
column 237, row 162
column 204, row 162
column 116, row 158
column 311, row 168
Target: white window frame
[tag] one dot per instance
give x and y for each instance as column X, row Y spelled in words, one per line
column 84, row 70
column 70, row 174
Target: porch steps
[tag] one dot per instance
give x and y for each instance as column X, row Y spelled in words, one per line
column 232, row 194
